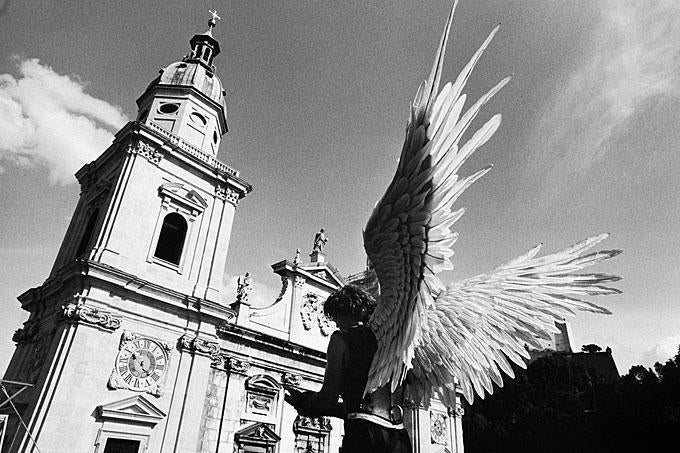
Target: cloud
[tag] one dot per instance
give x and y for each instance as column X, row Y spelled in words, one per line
column 635, row 58
column 662, row 351
column 48, row 120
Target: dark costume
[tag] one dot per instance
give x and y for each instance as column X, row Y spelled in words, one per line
column 378, row 434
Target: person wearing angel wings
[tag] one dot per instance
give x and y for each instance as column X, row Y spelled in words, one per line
column 423, row 338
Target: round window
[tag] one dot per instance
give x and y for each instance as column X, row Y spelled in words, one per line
column 198, row 118
column 168, row 108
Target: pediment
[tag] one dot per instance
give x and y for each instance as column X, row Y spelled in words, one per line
column 179, row 193
column 258, row 433
column 325, row 272
column 264, row 383
column 134, row 409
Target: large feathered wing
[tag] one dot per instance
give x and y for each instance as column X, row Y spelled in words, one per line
column 469, row 330
column 476, row 327
column 408, row 237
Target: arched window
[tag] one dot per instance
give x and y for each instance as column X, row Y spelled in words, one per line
column 87, row 233
column 171, row 238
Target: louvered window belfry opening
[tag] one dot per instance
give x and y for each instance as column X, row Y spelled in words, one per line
column 171, row 238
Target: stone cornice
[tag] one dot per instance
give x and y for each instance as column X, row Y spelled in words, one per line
column 164, row 144
column 183, row 88
column 79, row 273
column 261, row 340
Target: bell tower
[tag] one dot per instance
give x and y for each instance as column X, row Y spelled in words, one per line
column 187, row 99
column 158, row 204
column 119, row 336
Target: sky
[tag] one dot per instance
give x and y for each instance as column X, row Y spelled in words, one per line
column 318, row 96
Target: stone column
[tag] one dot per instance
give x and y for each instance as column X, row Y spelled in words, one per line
column 188, row 399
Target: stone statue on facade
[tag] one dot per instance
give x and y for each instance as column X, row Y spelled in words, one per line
column 244, row 287
column 320, row 240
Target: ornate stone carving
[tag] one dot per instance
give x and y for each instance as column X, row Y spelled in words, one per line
column 79, row 312
column 299, row 281
column 149, row 152
column 227, row 194
column 322, row 275
column 439, row 430
column 284, row 288
column 457, row 412
column 218, row 361
column 36, row 345
column 26, row 334
column 259, row 403
column 294, row 380
column 312, row 313
column 297, row 259
column 225, row 362
column 237, row 365
column 198, row 345
column 244, row 286
column 312, row 423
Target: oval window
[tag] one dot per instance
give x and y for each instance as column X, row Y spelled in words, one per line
column 215, row 137
column 168, row 108
column 198, row 118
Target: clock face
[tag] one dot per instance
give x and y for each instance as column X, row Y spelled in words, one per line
column 141, row 363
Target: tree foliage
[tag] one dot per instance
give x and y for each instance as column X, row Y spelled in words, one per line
column 591, row 348
column 557, row 405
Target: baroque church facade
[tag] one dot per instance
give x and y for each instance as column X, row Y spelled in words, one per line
column 131, row 344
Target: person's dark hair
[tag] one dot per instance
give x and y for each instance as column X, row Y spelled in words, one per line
column 351, row 300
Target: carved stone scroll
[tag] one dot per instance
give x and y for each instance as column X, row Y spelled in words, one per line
column 198, row 345
column 291, row 379
column 79, row 312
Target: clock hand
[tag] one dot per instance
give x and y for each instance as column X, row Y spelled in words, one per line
column 145, row 369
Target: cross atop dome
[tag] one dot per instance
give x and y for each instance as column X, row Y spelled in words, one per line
column 215, row 17
column 204, row 47
column 213, row 20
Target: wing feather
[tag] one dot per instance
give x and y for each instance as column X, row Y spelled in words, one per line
column 408, row 237
column 477, row 326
